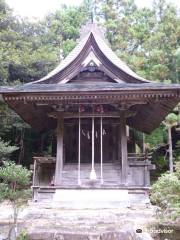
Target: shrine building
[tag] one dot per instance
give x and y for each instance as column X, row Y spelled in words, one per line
column 93, row 101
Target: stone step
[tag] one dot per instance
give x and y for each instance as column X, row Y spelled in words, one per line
column 111, row 173
column 88, row 166
column 114, row 176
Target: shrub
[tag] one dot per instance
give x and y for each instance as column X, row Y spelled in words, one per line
column 14, row 187
column 166, row 191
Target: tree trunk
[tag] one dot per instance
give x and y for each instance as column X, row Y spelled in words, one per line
column 12, row 235
column 170, row 150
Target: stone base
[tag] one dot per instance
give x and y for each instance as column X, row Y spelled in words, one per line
column 46, row 220
column 92, row 198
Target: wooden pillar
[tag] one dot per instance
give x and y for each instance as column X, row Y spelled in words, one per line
column 34, row 173
column 79, row 153
column 114, row 143
column 124, row 153
column 59, row 152
column 101, row 145
column 119, row 143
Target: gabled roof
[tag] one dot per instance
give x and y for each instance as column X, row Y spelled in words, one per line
column 35, row 100
column 92, row 48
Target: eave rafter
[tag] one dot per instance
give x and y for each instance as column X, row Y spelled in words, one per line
column 150, row 106
column 124, row 95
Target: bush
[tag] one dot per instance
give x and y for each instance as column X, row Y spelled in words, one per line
column 6, row 150
column 23, row 236
column 14, row 187
column 166, row 191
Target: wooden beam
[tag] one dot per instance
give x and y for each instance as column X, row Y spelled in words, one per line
column 84, row 115
column 59, row 154
column 67, row 115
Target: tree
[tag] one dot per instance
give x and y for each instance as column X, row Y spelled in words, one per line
column 177, row 65
column 6, row 20
column 146, row 39
column 6, row 150
column 170, row 121
column 13, row 187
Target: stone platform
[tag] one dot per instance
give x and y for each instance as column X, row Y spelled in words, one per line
column 91, row 198
column 46, row 221
column 106, row 197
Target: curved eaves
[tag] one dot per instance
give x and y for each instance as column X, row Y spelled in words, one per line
column 111, row 56
column 150, row 116
column 103, row 48
column 65, row 63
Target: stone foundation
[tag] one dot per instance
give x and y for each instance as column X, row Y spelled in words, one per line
column 48, row 221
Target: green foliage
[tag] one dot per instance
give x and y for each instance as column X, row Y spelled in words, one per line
column 6, row 150
column 147, row 39
column 161, row 164
column 14, row 184
column 177, row 65
column 177, row 166
column 177, row 151
column 14, row 180
column 171, row 120
column 22, row 236
column 13, row 173
column 166, row 191
column 156, row 138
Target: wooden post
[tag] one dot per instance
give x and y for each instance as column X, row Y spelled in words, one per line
column 34, row 173
column 124, row 154
column 59, row 152
column 101, row 133
column 79, row 153
column 114, row 143
column 119, row 144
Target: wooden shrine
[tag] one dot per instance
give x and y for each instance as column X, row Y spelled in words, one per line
column 93, row 100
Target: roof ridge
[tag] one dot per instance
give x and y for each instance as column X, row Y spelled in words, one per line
column 94, row 33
